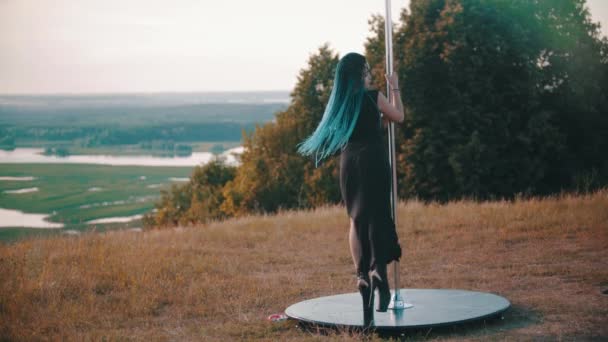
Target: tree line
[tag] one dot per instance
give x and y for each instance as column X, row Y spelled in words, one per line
column 504, row 98
column 103, row 121
column 99, row 136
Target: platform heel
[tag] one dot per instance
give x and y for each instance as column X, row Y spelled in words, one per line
column 364, row 287
column 379, row 280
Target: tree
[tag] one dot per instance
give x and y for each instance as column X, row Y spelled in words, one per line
column 197, row 201
column 272, row 175
column 479, row 124
column 575, row 88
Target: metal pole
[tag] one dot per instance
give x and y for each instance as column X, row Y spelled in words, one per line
column 396, row 302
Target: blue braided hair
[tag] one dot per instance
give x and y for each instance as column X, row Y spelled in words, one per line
column 341, row 112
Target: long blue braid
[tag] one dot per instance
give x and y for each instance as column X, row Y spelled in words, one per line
column 341, row 112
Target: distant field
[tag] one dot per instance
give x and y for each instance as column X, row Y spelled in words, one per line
column 86, row 124
column 157, row 124
column 64, row 188
column 219, row 282
column 127, row 150
column 139, row 110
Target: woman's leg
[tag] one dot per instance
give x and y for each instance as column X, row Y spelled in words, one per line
column 361, row 265
column 355, row 245
column 360, row 244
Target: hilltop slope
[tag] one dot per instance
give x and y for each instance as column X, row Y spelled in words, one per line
column 547, row 256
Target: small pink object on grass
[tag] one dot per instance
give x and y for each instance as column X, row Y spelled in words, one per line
column 278, row 317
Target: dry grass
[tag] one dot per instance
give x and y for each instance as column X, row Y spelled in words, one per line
column 549, row 257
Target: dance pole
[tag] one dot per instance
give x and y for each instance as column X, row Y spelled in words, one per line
column 396, row 302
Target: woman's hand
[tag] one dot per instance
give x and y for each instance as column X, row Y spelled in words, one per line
column 393, row 80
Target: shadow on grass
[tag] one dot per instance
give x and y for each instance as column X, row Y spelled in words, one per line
column 515, row 317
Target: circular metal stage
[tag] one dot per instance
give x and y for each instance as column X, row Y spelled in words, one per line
column 431, row 308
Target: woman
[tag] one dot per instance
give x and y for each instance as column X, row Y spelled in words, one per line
column 352, row 124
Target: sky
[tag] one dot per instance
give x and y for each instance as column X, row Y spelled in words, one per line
column 117, row 46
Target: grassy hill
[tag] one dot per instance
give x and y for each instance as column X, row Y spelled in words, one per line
column 220, row 281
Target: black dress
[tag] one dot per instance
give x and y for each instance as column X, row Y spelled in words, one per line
column 365, row 183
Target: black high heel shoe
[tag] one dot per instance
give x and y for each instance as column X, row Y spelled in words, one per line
column 379, row 281
column 364, row 286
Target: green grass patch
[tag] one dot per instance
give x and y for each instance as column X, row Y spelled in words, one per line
column 65, row 190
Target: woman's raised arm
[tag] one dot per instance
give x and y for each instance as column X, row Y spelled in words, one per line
column 392, row 112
